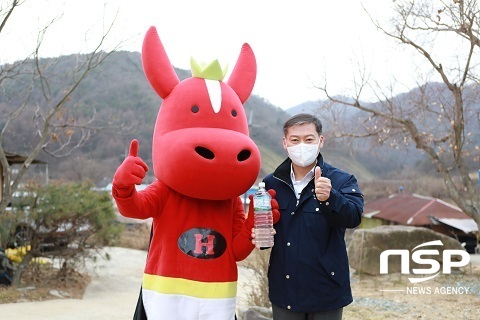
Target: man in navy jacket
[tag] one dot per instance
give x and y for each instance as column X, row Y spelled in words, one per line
column 309, row 272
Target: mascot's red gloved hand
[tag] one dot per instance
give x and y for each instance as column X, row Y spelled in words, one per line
column 274, row 203
column 130, row 172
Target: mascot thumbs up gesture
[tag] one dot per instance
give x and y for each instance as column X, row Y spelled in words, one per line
column 132, row 170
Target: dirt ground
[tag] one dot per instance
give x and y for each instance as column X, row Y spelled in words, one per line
column 452, row 296
column 115, row 284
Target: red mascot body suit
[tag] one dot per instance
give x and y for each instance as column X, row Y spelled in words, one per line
column 203, row 160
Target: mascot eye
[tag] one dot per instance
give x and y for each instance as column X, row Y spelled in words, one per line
column 234, row 113
column 195, row 109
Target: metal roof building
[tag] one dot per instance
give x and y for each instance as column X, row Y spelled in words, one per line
column 412, row 209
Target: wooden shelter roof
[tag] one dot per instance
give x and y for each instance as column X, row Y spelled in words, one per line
column 17, row 158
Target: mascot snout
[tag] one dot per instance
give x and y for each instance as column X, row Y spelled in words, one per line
column 225, row 160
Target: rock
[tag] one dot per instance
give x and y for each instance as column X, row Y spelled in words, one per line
column 366, row 246
column 60, row 294
column 26, row 289
column 56, row 293
column 254, row 313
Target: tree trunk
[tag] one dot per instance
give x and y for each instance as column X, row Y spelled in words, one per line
column 21, row 269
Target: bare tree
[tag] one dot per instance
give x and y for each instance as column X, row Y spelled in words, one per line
column 28, row 89
column 438, row 118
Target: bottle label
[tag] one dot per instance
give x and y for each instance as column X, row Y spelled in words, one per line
column 261, row 204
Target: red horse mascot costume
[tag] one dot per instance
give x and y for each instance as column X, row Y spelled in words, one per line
column 203, row 160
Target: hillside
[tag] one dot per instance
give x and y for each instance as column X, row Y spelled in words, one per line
column 125, row 106
column 394, row 155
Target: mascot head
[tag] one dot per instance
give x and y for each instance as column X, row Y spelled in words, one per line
column 201, row 146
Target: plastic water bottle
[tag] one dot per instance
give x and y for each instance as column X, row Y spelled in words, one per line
column 263, row 218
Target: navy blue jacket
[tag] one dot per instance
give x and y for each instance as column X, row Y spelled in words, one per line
column 309, row 270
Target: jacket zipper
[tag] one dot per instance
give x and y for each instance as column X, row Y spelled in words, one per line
column 292, row 188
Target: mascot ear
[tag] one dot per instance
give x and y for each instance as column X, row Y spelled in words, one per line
column 243, row 75
column 156, row 65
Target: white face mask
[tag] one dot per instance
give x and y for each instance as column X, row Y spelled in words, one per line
column 303, row 154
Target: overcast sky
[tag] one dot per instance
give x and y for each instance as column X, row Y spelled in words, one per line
column 296, row 42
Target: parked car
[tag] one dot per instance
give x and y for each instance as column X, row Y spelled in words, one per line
column 7, row 269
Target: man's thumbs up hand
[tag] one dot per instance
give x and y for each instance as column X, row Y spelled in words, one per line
column 322, row 185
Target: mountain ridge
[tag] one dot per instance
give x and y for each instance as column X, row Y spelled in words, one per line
column 118, row 92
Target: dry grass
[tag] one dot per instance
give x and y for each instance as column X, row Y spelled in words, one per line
column 427, row 186
column 42, row 281
column 134, row 236
column 372, row 303
column 257, row 288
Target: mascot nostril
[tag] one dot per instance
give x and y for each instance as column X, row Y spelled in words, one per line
column 199, row 227
column 205, row 153
column 243, row 155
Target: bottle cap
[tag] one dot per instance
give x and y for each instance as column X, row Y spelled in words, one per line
column 261, row 184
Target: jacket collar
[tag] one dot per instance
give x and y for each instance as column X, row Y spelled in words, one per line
column 283, row 170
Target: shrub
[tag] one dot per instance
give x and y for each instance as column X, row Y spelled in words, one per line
column 61, row 221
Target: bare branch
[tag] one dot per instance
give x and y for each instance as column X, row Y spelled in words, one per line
column 6, row 15
column 58, row 132
column 433, row 116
